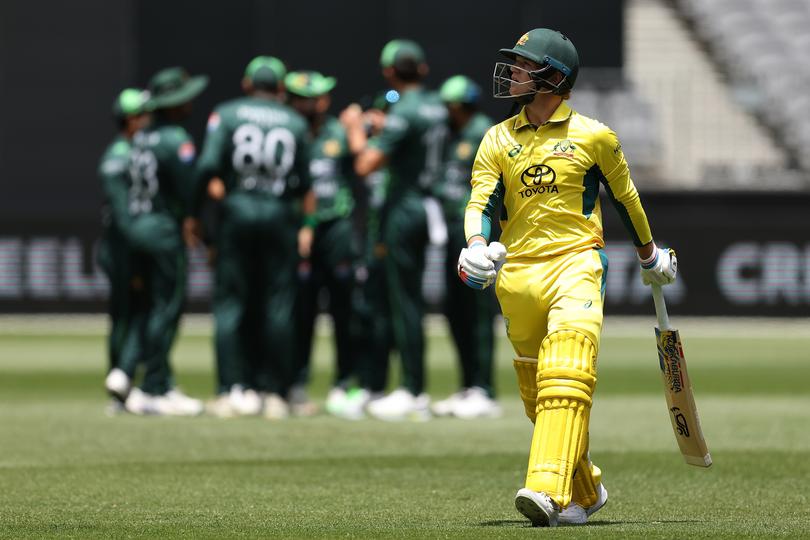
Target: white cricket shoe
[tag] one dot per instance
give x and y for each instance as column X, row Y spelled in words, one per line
column 576, row 515
column 300, row 404
column 538, row 507
column 445, row 407
column 355, row 404
column 476, row 403
column 140, row 403
column 118, row 384
column 401, row 405
column 336, row 400
column 221, row 407
column 245, row 402
column 185, row 405
column 275, row 408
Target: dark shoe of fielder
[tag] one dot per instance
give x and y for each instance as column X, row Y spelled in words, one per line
column 576, row 515
column 537, row 507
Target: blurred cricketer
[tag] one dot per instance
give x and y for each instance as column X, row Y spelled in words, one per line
column 545, row 167
column 160, row 174
column 254, row 158
column 114, row 254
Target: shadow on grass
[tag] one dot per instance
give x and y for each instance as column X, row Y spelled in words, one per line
column 522, row 523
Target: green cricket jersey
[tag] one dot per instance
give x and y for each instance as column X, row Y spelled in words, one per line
column 161, row 171
column 332, row 171
column 453, row 189
column 255, row 145
column 413, row 138
column 113, row 171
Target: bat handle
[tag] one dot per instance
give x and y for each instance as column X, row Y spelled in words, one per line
column 660, row 307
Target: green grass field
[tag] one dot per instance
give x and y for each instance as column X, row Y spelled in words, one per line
column 69, row 471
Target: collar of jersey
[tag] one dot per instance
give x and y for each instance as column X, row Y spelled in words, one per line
column 561, row 114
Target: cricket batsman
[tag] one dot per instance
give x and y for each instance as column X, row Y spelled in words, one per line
column 545, row 167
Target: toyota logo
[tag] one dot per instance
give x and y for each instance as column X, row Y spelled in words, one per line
column 537, row 175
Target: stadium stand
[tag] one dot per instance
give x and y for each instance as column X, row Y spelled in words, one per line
column 761, row 46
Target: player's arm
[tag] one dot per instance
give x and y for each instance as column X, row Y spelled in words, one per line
column 487, row 190
column 372, row 154
column 476, row 266
column 114, row 181
column 657, row 265
column 206, row 179
column 306, row 233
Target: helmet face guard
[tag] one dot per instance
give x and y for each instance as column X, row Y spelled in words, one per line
column 539, row 81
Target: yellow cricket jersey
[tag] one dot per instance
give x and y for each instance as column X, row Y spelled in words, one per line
column 548, row 179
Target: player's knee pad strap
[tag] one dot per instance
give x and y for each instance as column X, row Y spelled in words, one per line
column 526, row 369
column 566, row 377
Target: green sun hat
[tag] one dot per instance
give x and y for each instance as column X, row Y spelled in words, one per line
column 401, row 49
column 265, row 71
column 308, row 84
column 546, row 46
column 460, row 89
column 130, row 102
column 173, row 86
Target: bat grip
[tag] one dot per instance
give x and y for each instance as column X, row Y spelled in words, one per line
column 660, row 307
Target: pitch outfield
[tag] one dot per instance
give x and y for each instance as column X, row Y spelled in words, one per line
column 67, row 470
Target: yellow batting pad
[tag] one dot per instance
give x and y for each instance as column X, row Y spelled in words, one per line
column 586, row 477
column 566, row 378
column 526, row 369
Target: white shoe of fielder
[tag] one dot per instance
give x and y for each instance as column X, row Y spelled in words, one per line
column 336, row 400
column 118, row 384
column 401, row 405
column 445, row 407
column 576, row 515
column 176, row 403
column 538, row 507
column 245, row 402
column 354, row 403
column 221, row 407
column 476, row 403
column 275, row 408
column 140, row 403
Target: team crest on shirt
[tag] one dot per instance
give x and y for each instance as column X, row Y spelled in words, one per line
column 331, row 148
column 186, row 152
column 564, row 148
column 464, row 150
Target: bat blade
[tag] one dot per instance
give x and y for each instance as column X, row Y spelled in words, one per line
column 680, row 400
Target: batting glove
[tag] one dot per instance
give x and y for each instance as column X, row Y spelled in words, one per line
column 476, row 264
column 660, row 268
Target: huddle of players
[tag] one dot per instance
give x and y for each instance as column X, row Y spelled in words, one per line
column 295, row 201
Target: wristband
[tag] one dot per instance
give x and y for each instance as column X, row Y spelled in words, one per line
column 311, row 221
column 649, row 262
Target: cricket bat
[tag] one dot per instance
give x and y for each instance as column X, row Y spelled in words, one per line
column 677, row 388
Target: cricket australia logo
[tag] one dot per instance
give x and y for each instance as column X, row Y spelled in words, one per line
column 564, row 148
column 538, row 179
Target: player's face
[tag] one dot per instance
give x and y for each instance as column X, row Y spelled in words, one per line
column 521, row 78
column 307, row 107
